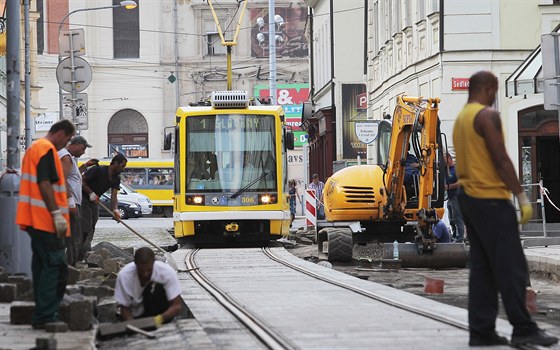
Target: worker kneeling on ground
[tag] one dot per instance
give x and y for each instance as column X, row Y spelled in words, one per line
column 148, row 288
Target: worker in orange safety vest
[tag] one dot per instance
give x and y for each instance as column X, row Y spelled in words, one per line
column 43, row 212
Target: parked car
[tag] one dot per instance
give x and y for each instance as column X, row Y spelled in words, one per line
column 127, row 194
column 127, row 209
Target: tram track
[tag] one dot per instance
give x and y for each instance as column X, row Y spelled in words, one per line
column 272, row 339
column 266, row 334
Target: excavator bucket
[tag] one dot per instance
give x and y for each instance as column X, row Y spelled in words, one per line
column 444, row 255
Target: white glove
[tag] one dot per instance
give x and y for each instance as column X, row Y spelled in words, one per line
column 71, row 203
column 93, row 197
column 60, row 223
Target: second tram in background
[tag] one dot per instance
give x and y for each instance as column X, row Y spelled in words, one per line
column 230, row 171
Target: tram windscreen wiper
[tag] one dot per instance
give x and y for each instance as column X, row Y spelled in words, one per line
column 236, row 194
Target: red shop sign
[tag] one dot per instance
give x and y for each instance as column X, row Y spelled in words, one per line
column 459, row 84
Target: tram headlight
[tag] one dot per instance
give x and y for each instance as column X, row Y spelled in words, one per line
column 268, row 199
column 195, row 200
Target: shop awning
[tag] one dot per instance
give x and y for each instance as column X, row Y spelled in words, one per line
column 528, row 77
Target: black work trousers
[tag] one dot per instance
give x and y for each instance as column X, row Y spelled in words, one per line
column 497, row 263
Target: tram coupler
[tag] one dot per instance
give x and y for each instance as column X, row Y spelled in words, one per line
column 231, row 230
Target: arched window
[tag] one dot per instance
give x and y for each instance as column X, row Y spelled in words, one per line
column 128, row 134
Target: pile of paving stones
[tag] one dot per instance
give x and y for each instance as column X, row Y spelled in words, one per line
column 88, row 299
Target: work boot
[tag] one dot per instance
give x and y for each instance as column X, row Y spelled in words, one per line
column 538, row 338
column 493, row 339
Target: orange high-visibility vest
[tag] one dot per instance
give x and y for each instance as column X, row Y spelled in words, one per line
column 32, row 210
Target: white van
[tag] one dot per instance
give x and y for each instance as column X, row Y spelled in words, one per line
column 129, row 195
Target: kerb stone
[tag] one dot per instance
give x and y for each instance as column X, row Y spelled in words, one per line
column 8, row 292
column 21, row 312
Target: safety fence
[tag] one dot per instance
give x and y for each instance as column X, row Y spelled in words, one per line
column 541, row 193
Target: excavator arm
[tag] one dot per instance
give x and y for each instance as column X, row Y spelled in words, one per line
column 416, row 119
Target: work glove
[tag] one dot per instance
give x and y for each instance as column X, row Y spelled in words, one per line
column 117, row 214
column 93, row 197
column 525, row 207
column 60, row 223
column 158, row 320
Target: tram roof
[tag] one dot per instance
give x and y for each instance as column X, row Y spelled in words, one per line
column 265, row 108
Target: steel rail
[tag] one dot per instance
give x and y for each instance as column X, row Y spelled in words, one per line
column 257, row 327
column 395, row 303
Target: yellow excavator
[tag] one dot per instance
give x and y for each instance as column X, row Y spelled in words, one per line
column 373, row 203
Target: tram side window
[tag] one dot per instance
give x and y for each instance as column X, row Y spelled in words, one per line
column 134, row 177
column 160, row 176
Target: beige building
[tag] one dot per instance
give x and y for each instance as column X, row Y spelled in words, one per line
column 147, row 61
column 431, row 48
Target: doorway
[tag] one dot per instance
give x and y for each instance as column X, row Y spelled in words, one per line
column 548, row 156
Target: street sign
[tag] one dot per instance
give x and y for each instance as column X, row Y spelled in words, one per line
column 44, row 121
column 81, row 104
column 78, row 42
column 64, row 74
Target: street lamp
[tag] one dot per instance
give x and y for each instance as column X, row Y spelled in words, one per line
column 275, row 24
column 127, row 4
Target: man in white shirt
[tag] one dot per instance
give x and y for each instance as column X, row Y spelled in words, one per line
column 73, row 176
column 147, row 287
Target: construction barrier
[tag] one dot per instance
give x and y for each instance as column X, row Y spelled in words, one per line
column 310, row 208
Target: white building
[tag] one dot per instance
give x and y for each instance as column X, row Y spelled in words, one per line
column 431, row 48
column 149, row 60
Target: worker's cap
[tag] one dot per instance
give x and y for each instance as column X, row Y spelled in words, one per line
column 76, row 140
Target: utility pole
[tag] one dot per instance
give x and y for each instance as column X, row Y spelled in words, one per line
column 13, row 8
column 27, row 76
column 272, row 51
column 15, row 246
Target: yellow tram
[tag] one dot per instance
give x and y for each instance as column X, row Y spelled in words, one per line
column 230, row 171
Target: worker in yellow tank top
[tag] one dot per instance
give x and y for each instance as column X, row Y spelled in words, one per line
column 43, row 212
column 497, row 262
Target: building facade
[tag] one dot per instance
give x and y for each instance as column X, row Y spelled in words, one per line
column 147, row 61
column 431, row 48
column 338, row 90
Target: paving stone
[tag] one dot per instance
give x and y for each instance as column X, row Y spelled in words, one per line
column 85, row 274
column 24, row 283
column 8, row 292
column 97, row 272
column 21, row 312
column 73, row 289
column 73, row 275
column 112, row 265
column 45, row 344
column 56, row 327
column 107, row 310
column 77, row 312
column 110, row 282
column 97, row 291
column 119, row 328
column 115, row 252
column 4, row 277
column 94, row 260
column 104, row 252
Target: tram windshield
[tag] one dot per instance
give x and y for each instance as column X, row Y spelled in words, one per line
column 230, row 153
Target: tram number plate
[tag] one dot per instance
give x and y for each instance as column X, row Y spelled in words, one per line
column 249, row 200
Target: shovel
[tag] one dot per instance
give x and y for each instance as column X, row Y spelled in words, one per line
column 168, row 258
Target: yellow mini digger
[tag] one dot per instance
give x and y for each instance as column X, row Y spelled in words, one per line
column 372, row 203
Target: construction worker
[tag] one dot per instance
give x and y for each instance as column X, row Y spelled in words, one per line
column 43, row 212
column 148, row 288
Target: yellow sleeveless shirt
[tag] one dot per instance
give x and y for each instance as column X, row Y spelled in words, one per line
column 476, row 171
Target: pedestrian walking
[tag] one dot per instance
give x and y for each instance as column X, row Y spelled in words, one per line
column 487, row 179
column 318, row 186
column 148, row 288
column 73, row 175
column 454, row 210
column 292, row 192
column 42, row 211
column 96, row 181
